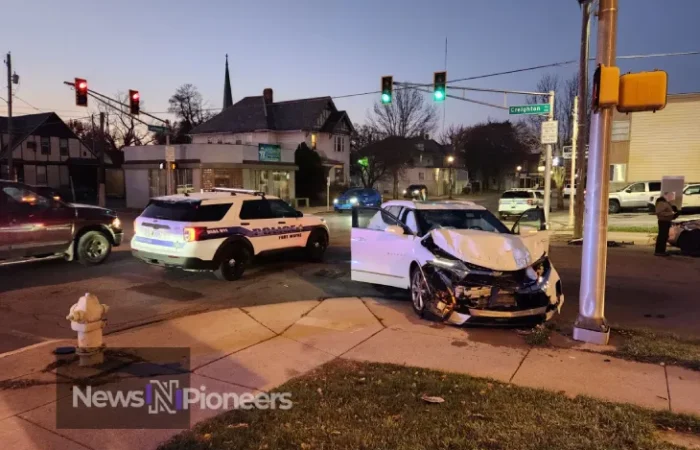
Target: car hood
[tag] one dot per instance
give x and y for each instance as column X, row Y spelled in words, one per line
column 495, row 251
column 90, row 211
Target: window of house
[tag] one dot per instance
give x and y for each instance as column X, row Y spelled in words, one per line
column 239, row 142
column 314, row 139
column 45, row 146
column 41, row 175
column 339, row 144
column 249, row 138
column 31, row 145
column 421, row 176
column 63, row 147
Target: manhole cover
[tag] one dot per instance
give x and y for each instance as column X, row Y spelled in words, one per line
column 164, row 290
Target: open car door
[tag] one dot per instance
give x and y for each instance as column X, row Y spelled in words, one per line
column 381, row 248
column 532, row 224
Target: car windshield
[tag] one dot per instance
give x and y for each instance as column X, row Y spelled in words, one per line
column 461, row 219
column 351, row 192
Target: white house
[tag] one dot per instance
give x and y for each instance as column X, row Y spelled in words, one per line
column 261, row 120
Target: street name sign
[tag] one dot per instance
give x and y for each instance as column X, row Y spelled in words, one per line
column 543, row 108
column 157, row 129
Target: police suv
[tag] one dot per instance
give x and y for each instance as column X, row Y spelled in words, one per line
column 222, row 230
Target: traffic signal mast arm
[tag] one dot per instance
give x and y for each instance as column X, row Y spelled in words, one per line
column 110, row 102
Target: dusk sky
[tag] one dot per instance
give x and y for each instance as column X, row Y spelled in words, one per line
column 310, row 48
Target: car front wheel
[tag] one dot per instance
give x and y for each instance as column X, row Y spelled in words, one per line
column 93, row 248
column 419, row 291
column 614, row 207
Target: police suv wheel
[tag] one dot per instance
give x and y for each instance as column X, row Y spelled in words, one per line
column 316, row 245
column 233, row 263
column 93, row 248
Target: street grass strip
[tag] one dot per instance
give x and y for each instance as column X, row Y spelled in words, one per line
column 652, row 229
column 351, row 405
column 657, row 347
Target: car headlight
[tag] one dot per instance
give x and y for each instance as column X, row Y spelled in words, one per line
column 335, row 201
column 416, row 192
column 404, row 191
column 353, row 200
column 538, row 270
column 116, row 223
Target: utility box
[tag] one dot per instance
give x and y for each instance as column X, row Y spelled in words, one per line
column 643, row 91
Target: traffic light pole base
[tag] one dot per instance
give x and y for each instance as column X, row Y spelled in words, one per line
column 593, row 331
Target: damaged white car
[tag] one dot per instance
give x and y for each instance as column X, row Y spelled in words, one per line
column 459, row 261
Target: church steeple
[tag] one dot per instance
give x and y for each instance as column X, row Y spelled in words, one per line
column 228, row 98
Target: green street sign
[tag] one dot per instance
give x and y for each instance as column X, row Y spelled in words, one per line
column 529, row 109
column 157, row 129
column 364, row 162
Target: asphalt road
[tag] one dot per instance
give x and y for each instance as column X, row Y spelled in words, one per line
column 35, row 297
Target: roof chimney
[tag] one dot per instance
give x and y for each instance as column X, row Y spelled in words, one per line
column 267, row 95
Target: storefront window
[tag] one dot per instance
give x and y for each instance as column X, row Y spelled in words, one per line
column 230, row 178
column 273, row 182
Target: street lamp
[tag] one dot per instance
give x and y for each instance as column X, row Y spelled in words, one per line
column 519, row 168
column 517, row 175
column 450, row 160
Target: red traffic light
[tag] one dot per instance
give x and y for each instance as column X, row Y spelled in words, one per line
column 134, row 102
column 81, row 92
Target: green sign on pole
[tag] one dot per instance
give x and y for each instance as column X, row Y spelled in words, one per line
column 269, row 152
column 530, row 109
column 364, row 162
column 157, row 129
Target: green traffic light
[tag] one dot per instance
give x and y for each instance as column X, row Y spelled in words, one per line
column 386, row 98
column 439, row 95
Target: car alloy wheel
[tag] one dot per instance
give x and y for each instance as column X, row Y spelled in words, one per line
column 233, row 263
column 419, row 290
column 316, row 245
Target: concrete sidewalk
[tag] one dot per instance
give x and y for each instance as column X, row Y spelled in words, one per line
column 258, row 348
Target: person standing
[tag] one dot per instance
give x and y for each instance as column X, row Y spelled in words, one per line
column 665, row 214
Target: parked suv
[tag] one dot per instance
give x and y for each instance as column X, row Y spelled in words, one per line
column 35, row 226
column 691, row 198
column 221, row 231
column 635, row 195
column 514, row 202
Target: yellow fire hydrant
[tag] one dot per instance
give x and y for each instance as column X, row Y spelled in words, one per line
column 88, row 317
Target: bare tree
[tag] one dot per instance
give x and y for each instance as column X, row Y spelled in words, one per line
column 121, row 129
column 408, row 115
column 187, row 104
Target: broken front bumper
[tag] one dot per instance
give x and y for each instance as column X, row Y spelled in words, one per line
column 484, row 296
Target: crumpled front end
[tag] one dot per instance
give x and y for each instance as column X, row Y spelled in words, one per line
column 461, row 292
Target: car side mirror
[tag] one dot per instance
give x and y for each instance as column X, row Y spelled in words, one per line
column 299, row 214
column 629, row 191
column 394, row 229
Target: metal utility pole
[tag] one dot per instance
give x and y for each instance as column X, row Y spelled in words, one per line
column 591, row 325
column 548, row 164
column 10, row 169
column 101, row 194
column 572, row 178
column 582, row 117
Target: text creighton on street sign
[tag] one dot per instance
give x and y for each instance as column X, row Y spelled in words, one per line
column 529, row 109
column 549, row 132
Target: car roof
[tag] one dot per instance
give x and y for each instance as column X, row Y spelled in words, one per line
column 445, row 204
column 212, row 197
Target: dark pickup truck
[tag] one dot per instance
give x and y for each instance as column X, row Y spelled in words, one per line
column 36, row 226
